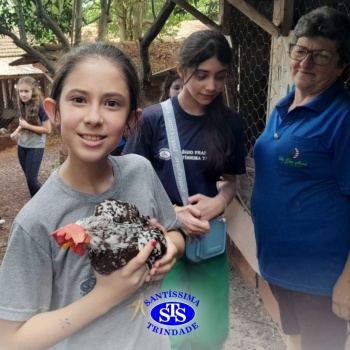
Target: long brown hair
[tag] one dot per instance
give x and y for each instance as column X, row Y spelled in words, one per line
column 197, row 48
column 30, row 111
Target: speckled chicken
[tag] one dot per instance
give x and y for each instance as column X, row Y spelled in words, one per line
column 113, row 235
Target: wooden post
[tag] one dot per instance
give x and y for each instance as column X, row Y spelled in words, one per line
column 283, row 15
column 4, row 93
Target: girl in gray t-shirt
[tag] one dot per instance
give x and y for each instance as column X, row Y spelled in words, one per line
column 50, row 297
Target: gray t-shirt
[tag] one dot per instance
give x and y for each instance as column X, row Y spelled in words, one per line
column 37, row 275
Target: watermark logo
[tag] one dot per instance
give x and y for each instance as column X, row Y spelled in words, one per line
column 173, row 313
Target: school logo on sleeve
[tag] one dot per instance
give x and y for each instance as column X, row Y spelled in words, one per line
column 173, row 313
column 164, row 154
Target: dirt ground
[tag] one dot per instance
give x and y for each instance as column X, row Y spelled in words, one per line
column 250, row 326
column 13, row 188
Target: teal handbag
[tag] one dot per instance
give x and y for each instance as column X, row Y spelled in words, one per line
column 209, row 245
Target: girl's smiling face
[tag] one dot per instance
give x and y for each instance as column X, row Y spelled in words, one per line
column 93, row 109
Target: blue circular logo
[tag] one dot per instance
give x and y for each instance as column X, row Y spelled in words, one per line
column 173, row 313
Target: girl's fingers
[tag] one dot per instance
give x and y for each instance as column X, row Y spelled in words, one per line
column 140, row 259
column 155, row 223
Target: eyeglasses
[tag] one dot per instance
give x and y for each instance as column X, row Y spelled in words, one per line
column 319, row 57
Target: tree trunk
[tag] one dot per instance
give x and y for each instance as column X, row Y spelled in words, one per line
column 78, row 21
column 121, row 12
column 197, row 14
column 43, row 16
column 122, row 28
column 137, row 21
column 146, row 41
column 102, row 25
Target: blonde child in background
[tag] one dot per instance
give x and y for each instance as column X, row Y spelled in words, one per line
column 31, row 133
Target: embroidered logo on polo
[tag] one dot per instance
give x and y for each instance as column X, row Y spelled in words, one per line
column 294, row 154
column 292, row 159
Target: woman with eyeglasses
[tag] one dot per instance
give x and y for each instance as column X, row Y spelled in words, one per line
column 301, row 196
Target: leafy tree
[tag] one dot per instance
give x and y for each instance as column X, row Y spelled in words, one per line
column 31, row 19
column 33, row 15
column 150, row 35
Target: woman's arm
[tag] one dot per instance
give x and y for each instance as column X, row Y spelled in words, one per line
column 46, row 329
column 45, row 128
column 341, row 293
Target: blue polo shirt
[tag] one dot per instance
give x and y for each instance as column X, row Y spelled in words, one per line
column 300, row 200
column 152, row 143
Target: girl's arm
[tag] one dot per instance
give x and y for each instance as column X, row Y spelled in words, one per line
column 47, row 329
column 227, row 189
column 195, row 216
column 45, row 128
column 15, row 134
column 179, row 242
column 210, row 207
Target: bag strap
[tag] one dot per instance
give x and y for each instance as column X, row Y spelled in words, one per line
column 175, row 149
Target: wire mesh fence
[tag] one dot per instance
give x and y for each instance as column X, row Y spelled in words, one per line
column 8, row 105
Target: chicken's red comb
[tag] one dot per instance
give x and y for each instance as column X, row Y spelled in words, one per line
column 72, row 236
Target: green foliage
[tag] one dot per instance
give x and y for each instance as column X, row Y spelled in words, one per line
column 91, row 11
column 60, row 11
column 178, row 15
column 8, row 16
column 210, row 8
